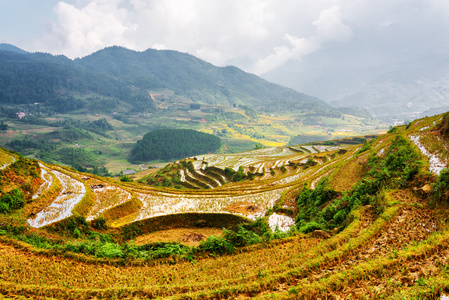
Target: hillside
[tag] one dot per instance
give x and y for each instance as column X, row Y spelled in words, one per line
column 118, row 74
column 196, row 79
column 172, row 144
column 57, row 85
column 368, row 221
column 11, row 48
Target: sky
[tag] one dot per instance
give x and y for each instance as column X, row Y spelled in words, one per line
column 255, row 35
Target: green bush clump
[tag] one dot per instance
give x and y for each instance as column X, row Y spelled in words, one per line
column 366, row 146
column 440, row 191
column 243, row 235
column 109, row 250
column 11, row 201
column 125, row 178
column 239, row 176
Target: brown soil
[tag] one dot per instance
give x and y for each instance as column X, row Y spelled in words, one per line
column 185, row 236
column 244, row 208
column 349, row 174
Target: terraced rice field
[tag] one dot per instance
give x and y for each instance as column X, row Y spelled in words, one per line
column 397, row 252
column 72, row 192
column 221, row 197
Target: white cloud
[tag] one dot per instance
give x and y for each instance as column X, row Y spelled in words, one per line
column 265, row 34
column 79, row 31
column 330, row 26
column 297, row 48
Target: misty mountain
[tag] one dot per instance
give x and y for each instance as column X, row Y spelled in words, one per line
column 195, row 79
column 408, row 89
column 11, row 48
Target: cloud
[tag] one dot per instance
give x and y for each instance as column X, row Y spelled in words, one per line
column 261, row 35
column 79, row 31
column 329, row 28
column 296, row 48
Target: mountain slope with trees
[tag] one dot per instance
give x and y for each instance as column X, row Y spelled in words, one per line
column 57, row 83
column 195, row 79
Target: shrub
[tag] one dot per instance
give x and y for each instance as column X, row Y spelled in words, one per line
column 109, row 250
column 366, row 146
column 99, row 223
column 239, row 176
column 11, row 201
column 440, row 191
column 216, row 245
column 309, row 227
column 241, row 237
column 125, row 178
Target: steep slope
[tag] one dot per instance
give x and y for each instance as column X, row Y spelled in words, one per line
column 195, row 79
column 381, row 232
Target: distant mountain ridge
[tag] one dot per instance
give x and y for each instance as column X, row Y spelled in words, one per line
column 121, row 74
column 57, row 83
column 406, row 89
column 194, row 78
column 11, row 48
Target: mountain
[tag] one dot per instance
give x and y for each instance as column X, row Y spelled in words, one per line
column 118, row 75
column 58, row 84
column 404, row 89
column 11, row 48
column 195, row 79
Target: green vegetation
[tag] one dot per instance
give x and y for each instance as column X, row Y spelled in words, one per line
column 324, row 208
column 3, row 126
column 173, row 143
column 11, row 201
column 103, row 245
column 52, row 84
column 441, row 187
column 168, row 176
column 67, row 101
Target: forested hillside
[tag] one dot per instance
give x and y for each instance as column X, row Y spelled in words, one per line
column 58, row 85
column 117, row 73
column 49, row 104
column 196, row 79
column 169, row 144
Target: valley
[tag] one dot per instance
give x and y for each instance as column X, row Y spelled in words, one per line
column 239, row 129
column 89, row 112
column 370, row 220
